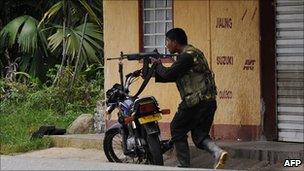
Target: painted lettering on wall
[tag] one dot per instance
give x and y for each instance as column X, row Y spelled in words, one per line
column 224, row 60
column 225, row 94
column 249, row 64
column 224, row 23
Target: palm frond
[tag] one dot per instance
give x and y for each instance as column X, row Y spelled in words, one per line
column 9, row 32
column 28, row 36
column 96, row 32
column 90, row 12
column 51, row 12
column 91, row 44
column 24, row 31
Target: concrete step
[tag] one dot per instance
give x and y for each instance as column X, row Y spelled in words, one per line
column 256, row 152
column 83, row 141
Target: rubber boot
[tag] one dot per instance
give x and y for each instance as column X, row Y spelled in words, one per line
column 182, row 153
column 219, row 154
column 166, row 145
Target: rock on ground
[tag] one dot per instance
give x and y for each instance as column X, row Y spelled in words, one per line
column 82, row 125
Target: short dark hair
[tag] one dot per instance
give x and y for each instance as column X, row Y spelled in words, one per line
column 178, row 35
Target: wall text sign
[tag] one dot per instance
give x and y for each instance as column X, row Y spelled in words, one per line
column 225, row 23
column 224, row 60
column 249, row 64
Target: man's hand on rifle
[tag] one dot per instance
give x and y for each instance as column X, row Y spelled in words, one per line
column 154, row 60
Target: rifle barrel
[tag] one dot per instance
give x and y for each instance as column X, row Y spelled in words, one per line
column 117, row 58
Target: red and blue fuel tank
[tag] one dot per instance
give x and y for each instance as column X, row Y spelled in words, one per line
column 126, row 106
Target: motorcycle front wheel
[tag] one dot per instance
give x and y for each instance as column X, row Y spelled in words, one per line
column 109, row 145
column 113, row 148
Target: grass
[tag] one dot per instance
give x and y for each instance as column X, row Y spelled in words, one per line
column 18, row 122
column 26, row 107
column 23, row 114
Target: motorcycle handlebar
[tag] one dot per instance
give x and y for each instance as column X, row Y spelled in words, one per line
column 110, row 109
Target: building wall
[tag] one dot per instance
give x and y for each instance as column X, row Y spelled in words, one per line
column 121, row 30
column 228, row 34
column 121, row 33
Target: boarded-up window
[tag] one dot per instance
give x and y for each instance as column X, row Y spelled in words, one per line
column 157, row 20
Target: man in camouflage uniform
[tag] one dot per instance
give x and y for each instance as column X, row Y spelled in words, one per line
column 196, row 86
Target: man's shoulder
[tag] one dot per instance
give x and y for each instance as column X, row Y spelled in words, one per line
column 185, row 57
column 191, row 50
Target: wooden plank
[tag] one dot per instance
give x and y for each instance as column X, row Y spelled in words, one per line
column 297, row 50
column 291, row 59
column 294, row 7
column 290, row 118
column 296, row 41
column 291, row 92
column 291, row 109
column 290, row 25
column 294, row 75
column 290, row 67
column 290, row 34
column 294, row 126
column 295, row 139
column 290, row 17
column 289, row 2
column 291, row 136
column 296, row 101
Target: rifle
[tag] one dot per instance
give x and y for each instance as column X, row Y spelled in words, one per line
column 145, row 57
column 146, row 70
column 142, row 56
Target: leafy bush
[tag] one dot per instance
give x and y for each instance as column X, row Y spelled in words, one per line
column 24, row 107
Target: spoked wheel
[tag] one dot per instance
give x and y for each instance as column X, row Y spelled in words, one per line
column 113, row 149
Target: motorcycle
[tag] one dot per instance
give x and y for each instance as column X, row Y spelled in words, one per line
column 135, row 137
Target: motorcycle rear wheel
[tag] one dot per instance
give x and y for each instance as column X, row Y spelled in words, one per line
column 155, row 153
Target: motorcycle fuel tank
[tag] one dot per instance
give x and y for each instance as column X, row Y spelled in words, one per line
column 126, row 106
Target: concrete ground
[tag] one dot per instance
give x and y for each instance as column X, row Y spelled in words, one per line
column 29, row 163
column 256, row 155
column 94, row 159
column 269, row 151
column 67, row 153
column 74, row 159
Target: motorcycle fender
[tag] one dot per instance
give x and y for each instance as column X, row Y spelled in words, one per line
column 117, row 125
column 151, row 128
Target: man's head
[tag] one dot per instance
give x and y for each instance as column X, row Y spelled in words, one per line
column 176, row 39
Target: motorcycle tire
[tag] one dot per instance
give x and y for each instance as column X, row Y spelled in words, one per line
column 155, row 152
column 108, row 146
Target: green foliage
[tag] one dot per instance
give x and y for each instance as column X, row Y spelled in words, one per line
column 91, row 43
column 24, row 145
column 24, row 107
column 17, row 126
column 52, row 11
column 24, row 31
column 77, row 9
column 38, row 43
column 28, row 48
